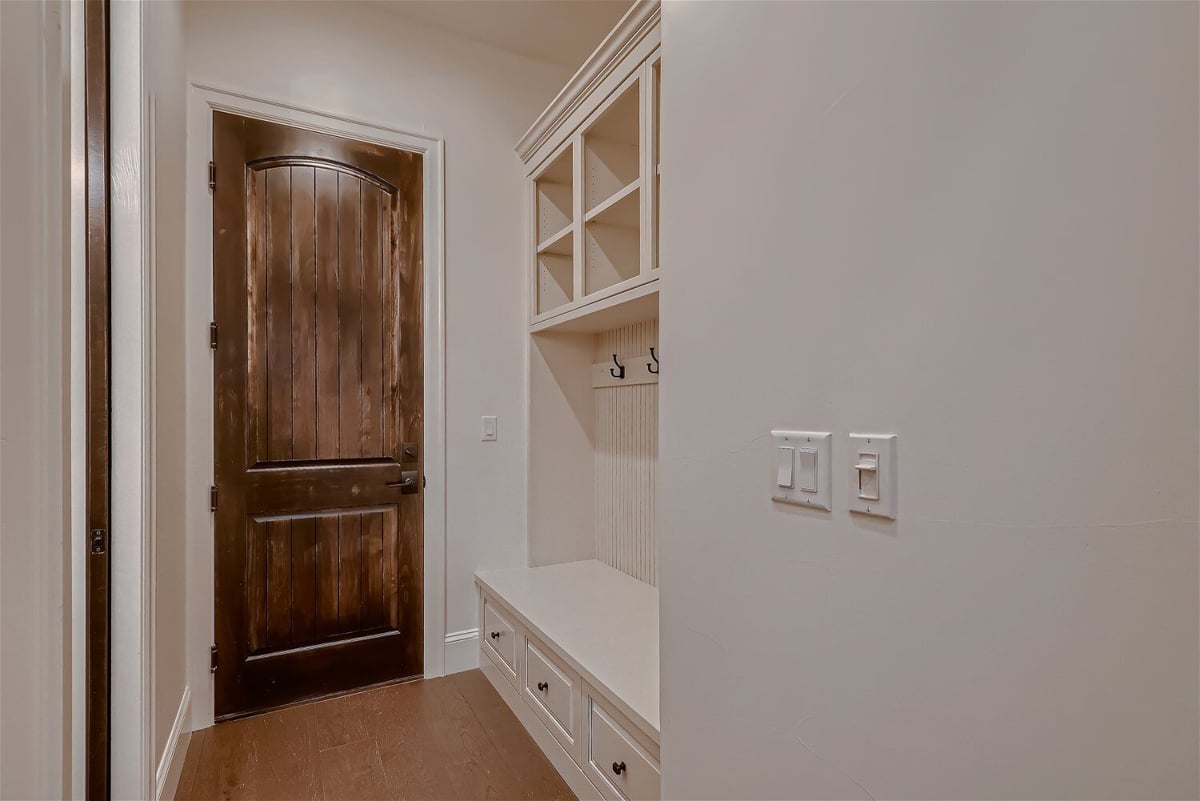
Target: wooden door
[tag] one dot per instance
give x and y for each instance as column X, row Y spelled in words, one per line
column 317, row 298
column 98, row 392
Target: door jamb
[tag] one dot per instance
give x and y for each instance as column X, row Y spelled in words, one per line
column 203, row 100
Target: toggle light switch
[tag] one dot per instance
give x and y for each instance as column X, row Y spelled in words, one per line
column 787, row 462
column 802, row 468
column 873, row 474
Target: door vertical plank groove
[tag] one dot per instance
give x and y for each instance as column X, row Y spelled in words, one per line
column 303, row 299
column 327, row 378
column 304, row 575
column 279, row 313
column 350, row 315
column 372, row 327
column 256, row 279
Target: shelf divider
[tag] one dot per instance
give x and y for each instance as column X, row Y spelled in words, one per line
column 554, row 239
column 614, row 199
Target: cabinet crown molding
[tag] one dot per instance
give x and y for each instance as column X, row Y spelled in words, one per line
column 632, row 28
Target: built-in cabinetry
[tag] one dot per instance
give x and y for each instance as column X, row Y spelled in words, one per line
column 593, row 188
column 571, row 641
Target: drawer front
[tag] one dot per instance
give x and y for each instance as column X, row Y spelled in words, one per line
column 499, row 637
column 553, row 690
column 615, row 761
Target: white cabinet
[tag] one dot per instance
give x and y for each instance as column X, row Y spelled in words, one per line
column 593, row 165
column 587, row 673
column 618, row 760
column 554, row 691
column 571, row 642
column 499, row 640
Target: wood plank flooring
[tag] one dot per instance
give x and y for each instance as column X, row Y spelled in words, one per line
column 448, row 738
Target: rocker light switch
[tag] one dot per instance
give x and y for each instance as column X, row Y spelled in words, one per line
column 787, row 462
column 873, row 474
column 802, row 468
column 808, row 469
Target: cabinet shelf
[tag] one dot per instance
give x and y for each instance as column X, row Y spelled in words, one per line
column 624, row 214
column 605, row 314
column 558, row 244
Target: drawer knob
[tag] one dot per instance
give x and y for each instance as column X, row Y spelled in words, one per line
column 543, row 686
column 618, row 768
column 495, row 635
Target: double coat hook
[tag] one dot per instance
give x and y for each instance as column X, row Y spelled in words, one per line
column 620, row 368
column 652, row 368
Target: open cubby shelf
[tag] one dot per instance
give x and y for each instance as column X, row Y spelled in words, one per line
column 617, row 209
column 611, row 151
column 555, row 196
column 556, row 278
column 558, row 243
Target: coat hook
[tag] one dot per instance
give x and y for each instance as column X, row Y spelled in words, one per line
column 620, row 368
column 652, row 368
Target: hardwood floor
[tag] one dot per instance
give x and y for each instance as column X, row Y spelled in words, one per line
column 448, row 738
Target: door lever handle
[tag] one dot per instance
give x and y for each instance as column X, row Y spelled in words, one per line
column 407, row 482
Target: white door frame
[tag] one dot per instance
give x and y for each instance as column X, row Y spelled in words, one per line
column 202, row 101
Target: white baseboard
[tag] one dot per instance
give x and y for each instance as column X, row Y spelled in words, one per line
column 572, row 774
column 462, row 651
column 166, row 781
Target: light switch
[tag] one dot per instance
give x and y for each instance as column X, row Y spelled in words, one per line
column 488, row 424
column 787, row 463
column 868, row 475
column 808, row 469
column 802, row 468
column 873, row 474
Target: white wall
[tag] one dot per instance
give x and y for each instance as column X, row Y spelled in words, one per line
column 167, row 88
column 360, row 61
column 974, row 225
column 35, row 625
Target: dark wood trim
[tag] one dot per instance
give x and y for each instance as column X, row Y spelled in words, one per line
column 98, row 394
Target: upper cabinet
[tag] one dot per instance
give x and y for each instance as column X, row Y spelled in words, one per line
column 593, row 164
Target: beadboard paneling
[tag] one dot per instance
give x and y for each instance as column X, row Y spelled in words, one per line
column 627, row 458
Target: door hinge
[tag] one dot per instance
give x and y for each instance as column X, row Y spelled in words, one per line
column 99, row 543
column 212, row 177
column 212, row 335
column 212, row 498
column 212, row 663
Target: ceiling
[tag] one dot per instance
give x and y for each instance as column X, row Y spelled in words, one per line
column 562, row 32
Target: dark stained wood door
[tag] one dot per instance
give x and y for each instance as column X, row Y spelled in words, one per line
column 317, row 296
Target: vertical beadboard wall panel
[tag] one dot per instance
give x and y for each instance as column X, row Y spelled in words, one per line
column 627, row 459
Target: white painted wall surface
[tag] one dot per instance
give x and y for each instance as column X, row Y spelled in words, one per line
column 166, row 85
column 359, row 61
column 974, row 225
column 35, row 624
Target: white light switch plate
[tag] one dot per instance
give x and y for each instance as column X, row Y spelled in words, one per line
column 873, row 491
column 807, row 454
column 488, row 428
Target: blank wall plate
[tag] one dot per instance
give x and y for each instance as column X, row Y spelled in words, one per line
column 801, row 469
column 872, row 482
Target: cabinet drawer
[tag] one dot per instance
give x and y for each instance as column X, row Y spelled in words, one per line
column 499, row 638
column 615, row 760
column 553, row 690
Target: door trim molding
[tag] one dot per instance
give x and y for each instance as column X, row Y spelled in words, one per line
column 203, row 100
